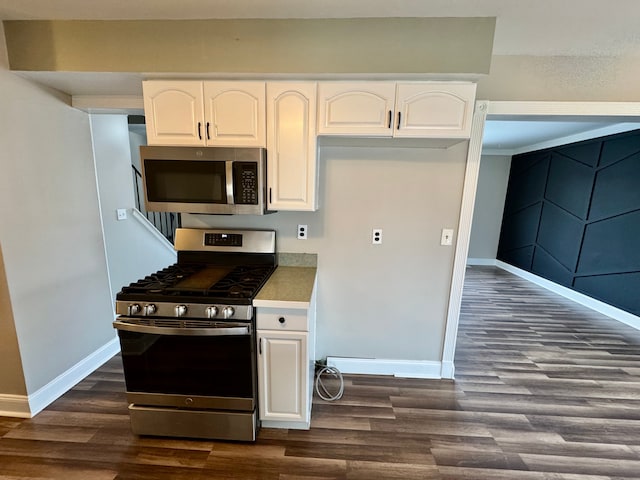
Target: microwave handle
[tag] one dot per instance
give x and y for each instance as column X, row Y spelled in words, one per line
column 229, row 176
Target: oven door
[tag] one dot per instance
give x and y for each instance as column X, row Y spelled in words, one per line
column 188, row 364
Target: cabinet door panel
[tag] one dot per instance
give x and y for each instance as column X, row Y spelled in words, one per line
column 282, row 375
column 235, row 113
column 173, row 112
column 434, row 110
column 360, row 108
column 291, row 146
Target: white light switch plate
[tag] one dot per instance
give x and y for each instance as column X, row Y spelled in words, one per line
column 447, row 236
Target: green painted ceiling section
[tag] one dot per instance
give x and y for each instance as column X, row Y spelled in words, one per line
column 252, row 46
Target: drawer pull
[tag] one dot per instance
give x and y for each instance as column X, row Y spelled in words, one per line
column 282, row 320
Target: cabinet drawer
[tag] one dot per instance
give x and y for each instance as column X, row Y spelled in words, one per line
column 271, row 319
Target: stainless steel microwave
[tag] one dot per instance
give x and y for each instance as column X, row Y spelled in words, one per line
column 213, row 180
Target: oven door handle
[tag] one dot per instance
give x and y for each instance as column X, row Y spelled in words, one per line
column 221, row 331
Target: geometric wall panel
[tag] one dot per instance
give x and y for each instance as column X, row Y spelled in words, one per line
column 617, row 189
column 520, row 229
column 612, row 245
column 520, row 257
column 620, row 147
column 527, row 187
column 526, row 161
column 572, row 215
column 620, row 290
column 560, row 235
column 569, row 185
column 584, row 152
column 548, row 267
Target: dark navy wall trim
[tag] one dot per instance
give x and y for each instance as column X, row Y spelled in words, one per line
column 572, row 216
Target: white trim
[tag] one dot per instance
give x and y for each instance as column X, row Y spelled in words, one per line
column 14, row 406
column 380, row 366
column 464, row 234
column 521, row 110
column 584, row 300
column 46, row 395
column 481, row 261
column 144, row 221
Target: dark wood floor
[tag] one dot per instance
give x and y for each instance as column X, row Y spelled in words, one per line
column 544, row 389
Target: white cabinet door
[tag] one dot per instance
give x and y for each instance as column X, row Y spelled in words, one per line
column 235, row 114
column 282, row 375
column 173, row 112
column 291, row 146
column 356, row 108
column 439, row 110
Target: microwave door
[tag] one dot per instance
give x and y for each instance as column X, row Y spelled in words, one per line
column 183, row 185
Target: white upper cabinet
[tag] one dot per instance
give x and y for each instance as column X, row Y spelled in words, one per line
column 225, row 114
column 356, row 108
column 174, row 112
column 291, row 146
column 434, row 110
column 235, row 114
column 389, row 109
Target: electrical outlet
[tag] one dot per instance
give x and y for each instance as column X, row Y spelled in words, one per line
column 121, row 213
column 376, row 236
column 447, row 237
column 302, row 232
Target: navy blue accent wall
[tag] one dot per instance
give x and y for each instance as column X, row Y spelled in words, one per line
column 572, row 216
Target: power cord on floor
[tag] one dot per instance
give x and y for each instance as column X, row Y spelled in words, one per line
column 322, row 391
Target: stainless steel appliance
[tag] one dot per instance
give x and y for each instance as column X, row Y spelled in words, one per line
column 188, row 336
column 213, row 180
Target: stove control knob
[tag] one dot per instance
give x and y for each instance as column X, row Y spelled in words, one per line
column 227, row 312
column 181, row 310
column 212, row 312
column 149, row 309
column 134, row 309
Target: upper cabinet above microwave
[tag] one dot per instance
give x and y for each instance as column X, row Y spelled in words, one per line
column 389, row 109
column 209, row 113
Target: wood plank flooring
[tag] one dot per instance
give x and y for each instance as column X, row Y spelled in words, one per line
column 544, row 390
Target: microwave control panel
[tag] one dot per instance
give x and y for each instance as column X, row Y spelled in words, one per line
column 246, row 183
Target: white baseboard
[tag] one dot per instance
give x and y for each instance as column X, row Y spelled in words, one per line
column 378, row 366
column 481, row 261
column 448, row 370
column 23, row 406
column 584, row 300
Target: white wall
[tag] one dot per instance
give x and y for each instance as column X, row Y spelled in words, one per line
column 488, row 208
column 132, row 250
column 387, row 301
column 51, row 235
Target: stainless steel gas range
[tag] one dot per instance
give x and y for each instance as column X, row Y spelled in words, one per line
column 187, row 336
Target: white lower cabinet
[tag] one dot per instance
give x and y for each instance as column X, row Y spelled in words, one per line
column 283, row 376
column 285, row 366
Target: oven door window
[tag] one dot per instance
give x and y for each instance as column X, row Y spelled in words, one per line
column 188, row 365
column 185, row 181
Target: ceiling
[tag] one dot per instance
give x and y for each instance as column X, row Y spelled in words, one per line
column 535, row 27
